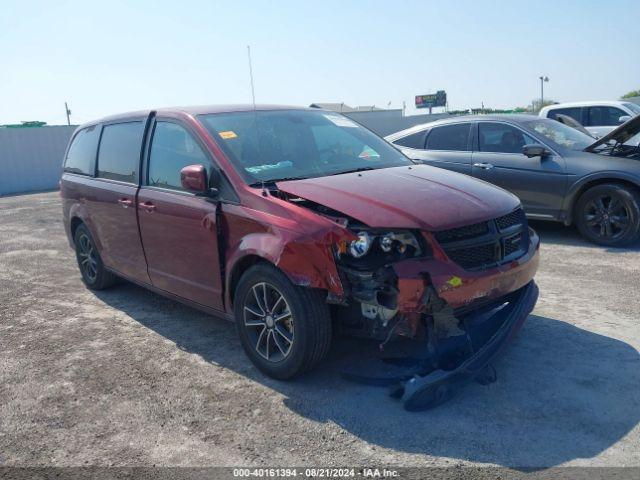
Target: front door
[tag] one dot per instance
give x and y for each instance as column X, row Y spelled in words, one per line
column 540, row 183
column 178, row 228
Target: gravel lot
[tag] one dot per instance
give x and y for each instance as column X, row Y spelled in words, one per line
column 126, row 377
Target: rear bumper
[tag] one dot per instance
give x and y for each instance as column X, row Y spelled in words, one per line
column 422, row 392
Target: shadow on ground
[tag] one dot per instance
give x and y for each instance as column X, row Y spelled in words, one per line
column 562, row 393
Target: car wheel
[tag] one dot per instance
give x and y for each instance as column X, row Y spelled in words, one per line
column 94, row 275
column 284, row 329
column 609, row 215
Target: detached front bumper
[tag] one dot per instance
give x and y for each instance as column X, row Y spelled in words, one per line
column 489, row 333
column 465, row 318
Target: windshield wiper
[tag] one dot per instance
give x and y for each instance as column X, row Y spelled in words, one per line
column 259, row 183
column 361, row 169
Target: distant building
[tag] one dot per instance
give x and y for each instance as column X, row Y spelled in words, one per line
column 344, row 108
column 379, row 120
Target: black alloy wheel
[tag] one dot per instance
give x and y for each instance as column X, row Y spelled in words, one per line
column 609, row 215
column 94, row 274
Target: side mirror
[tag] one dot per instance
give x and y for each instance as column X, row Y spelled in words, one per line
column 535, row 150
column 624, row 119
column 194, row 178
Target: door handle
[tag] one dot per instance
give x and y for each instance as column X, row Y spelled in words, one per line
column 125, row 202
column 484, row 166
column 147, row 206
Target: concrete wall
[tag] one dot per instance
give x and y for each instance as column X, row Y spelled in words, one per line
column 31, row 158
column 385, row 122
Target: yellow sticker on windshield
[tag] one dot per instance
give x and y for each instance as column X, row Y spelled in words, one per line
column 228, row 134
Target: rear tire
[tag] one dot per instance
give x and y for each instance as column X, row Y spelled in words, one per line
column 94, row 275
column 284, row 329
column 609, row 214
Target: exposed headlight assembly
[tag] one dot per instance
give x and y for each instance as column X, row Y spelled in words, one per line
column 359, row 248
column 395, row 244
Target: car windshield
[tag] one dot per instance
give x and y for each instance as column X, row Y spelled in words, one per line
column 560, row 134
column 266, row 146
column 633, row 107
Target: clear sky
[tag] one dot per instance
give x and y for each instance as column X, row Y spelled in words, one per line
column 112, row 56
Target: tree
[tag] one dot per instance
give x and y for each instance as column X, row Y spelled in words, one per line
column 631, row 94
column 536, row 106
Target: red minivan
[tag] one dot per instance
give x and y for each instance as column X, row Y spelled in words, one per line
column 294, row 223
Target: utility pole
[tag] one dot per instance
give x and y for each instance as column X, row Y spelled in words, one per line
column 542, row 80
column 68, row 113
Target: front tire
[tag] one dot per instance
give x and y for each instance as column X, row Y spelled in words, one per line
column 94, row 275
column 609, row 214
column 284, row 329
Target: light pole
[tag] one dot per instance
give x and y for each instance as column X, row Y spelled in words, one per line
column 542, row 80
column 68, row 113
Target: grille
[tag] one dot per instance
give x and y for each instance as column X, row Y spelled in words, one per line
column 512, row 244
column 510, row 219
column 471, row 257
column 487, row 244
column 462, row 233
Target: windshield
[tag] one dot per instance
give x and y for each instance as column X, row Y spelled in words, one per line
column 560, row 134
column 267, row 146
column 633, row 107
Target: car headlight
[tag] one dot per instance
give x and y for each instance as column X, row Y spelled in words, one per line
column 393, row 245
column 359, row 248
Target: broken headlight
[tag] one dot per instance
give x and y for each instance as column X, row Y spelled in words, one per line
column 359, row 248
column 382, row 246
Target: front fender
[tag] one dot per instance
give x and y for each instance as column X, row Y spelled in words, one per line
column 304, row 254
column 579, row 186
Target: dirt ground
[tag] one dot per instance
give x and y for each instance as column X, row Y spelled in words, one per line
column 126, row 377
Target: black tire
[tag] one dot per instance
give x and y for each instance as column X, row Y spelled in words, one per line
column 94, row 275
column 295, row 343
column 609, row 214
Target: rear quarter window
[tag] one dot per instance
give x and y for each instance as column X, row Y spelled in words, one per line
column 415, row 140
column 119, row 152
column 82, row 151
column 449, row 137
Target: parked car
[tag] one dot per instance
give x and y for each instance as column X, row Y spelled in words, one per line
column 558, row 172
column 291, row 222
column 599, row 118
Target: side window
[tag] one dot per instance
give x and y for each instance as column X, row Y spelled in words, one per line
column 573, row 112
column 449, row 137
column 604, row 116
column 119, row 152
column 415, row 140
column 172, row 148
column 82, row 152
column 501, row 138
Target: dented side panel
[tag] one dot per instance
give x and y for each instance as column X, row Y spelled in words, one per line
column 301, row 249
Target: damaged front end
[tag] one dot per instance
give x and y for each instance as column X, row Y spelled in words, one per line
column 462, row 294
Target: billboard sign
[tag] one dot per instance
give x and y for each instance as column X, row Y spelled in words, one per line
column 438, row 99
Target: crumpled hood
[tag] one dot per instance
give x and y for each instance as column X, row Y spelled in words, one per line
column 419, row 196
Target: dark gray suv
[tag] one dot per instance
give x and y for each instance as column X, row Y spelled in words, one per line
column 558, row 172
